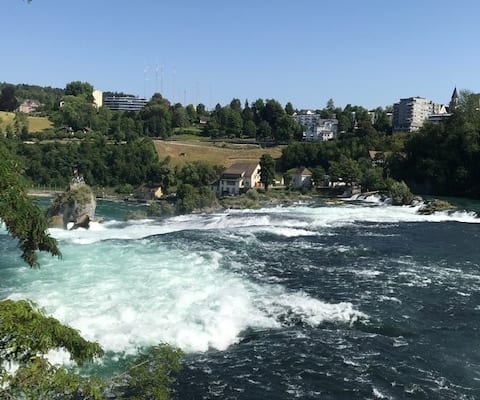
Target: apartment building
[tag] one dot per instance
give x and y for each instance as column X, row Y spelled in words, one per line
column 317, row 128
column 410, row 114
column 125, row 103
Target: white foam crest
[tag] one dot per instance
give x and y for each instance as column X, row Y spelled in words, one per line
column 349, row 214
column 290, row 232
column 379, row 395
column 367, row 198
column 138, row 229
column 284, row 221
column 130, row 296
column 311, row 310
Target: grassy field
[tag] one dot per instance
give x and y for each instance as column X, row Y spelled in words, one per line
column 219, row 153
column 35, row 124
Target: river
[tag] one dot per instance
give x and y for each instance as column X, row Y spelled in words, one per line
column 311, row 301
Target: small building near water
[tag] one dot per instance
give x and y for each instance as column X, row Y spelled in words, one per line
column 301, row 178
column 239, row 178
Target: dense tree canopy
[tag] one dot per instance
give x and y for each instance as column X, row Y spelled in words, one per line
column 22, row 218
column 79, row 89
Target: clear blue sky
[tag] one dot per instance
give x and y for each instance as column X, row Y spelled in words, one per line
column 369, row 52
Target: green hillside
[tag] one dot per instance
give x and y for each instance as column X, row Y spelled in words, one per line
column 35, row 124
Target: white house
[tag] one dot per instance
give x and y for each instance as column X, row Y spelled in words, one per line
column 317, row 128
column 302, row 177
column 239, row 178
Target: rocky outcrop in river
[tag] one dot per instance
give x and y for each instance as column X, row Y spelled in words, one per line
column 77, row 205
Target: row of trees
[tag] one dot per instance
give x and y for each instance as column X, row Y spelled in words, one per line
column 135, row 162
column 263, row 120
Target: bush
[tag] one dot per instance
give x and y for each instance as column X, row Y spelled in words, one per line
column 400, row 194
column 252, row 194
column 124, row 189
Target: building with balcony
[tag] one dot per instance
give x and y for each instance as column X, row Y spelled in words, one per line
column 125, row 103
column 410, row 114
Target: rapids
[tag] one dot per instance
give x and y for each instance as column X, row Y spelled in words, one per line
column 358, row 300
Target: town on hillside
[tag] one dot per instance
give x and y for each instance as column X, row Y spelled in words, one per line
column 147, row 149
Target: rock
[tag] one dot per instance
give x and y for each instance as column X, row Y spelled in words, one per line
column 82, row 222
column 436, row 205
column 74, row 205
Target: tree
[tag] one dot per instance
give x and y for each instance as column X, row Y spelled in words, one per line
column 20, row 122
column 329, row 110
column 267, row 170
column 179, row 117
column 192, row 113
column 23, row 219
column 157, row 117
column 212, row 128
column 8, row 101
column 382, row 121
column 345, row 168
column 235, row 105
column 249, row 129
column 76, row 112
column 150, row 375
column 233, row 122
column 400, row 193
column 318, row 174
column 80, row 89
column 27, row 336
column 201, row 110
column 247, row 113
column 286, row 129
column 264, row 131
column 289, row 109
column 373, row 179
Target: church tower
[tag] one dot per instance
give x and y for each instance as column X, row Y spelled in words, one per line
column 453, row 101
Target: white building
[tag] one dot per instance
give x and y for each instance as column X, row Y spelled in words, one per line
column 410, row 114
column 97, row 98
column 317, row 128
column 125, row 103
column 239, row 178
column 302, row 178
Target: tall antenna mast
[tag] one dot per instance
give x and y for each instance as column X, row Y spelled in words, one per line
column 145, row 71
column 173, row 84
column 161, row 79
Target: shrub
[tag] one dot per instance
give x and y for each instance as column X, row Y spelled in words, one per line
column 400, row 193
column 252, row 194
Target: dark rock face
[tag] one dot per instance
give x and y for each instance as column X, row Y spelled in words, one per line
column 76, row 205
column 436, row 205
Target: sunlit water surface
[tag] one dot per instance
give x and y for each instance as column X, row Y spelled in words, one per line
column 350, row 301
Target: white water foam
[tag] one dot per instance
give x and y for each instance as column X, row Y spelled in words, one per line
column 135, row 292
column 127, row 295
column 283, row 221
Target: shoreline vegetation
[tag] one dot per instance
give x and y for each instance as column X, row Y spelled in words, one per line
column 255, row 199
